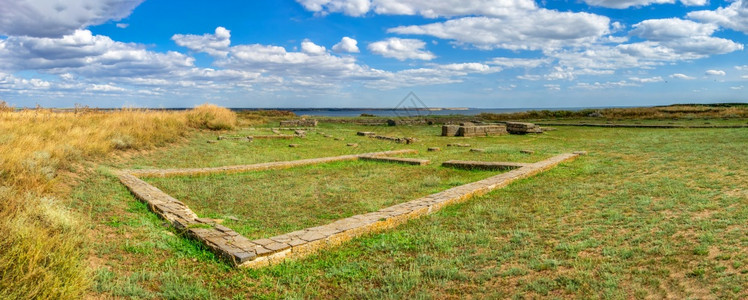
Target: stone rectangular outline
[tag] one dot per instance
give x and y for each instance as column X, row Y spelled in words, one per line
column 242, row 252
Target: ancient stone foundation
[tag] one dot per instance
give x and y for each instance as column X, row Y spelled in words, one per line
column 298, row 123
column 242, row 252
column 471, row 130
column 522, row 128
column 403, row 140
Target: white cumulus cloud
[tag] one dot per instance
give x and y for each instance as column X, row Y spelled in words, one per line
column 401, row 49
column 647, row 80
column 346, row 45
column 528, row 63
column 215, row 44
column 684, row 37
column 604, row 85
column 682, row 76
column 426, row 8
column 715, row 73
column 734, row 16
column 348, row 7
column 86, row 53
column 638, row 3
column 450, row 8
column 470, row 68
column 52, row 18
column 669, row 29
column 312, row 49
column 539, row 29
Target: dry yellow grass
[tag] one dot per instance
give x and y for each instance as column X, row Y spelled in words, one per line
column 4, row 107
column 210, row 116
column 42, row 247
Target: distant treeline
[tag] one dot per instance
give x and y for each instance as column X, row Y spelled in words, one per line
column 685, row 111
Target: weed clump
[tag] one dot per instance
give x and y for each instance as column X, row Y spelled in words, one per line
column 41, row 248
column 210, row 116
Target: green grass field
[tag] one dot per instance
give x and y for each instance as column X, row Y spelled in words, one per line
column 649, row 213
column 268, row 203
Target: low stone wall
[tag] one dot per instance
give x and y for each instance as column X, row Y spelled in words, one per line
column 292, row 128
column 522, row 128
column 270, row 137
column 450, row 130
column 257, row 167
column 298, row 123
column 471, row 130
column 403, row 140
column 399, row 160
column 357, row 121
column 488, row 130
column 365, row 133
column 220, row 138
column 401, row 122
column 243, row 252
column 483, row 165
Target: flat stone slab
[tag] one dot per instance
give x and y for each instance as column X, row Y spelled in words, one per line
column 242, row 252
column 400, row 160
column 483, row 165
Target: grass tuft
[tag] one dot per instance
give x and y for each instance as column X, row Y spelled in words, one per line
column 210, row 116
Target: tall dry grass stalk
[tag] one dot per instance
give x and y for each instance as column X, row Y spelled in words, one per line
column 42, row 244
column 210, row 116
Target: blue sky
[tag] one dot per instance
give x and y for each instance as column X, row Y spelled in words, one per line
column 371, row 53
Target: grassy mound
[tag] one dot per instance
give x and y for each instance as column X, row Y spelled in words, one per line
column 209, row 116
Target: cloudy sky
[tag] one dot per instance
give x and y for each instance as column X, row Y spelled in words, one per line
column 371, row 53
